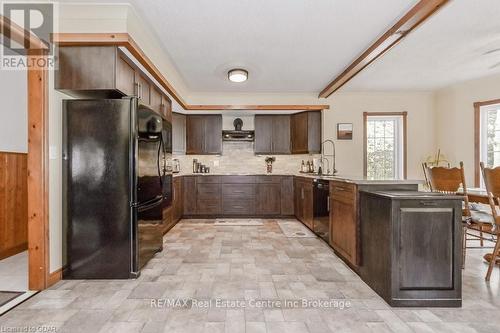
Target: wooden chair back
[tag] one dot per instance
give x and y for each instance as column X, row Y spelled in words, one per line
column 491, row 177
column 447, row 180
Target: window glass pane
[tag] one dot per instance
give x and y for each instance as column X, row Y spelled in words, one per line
column 382, row 148
column 492, row 136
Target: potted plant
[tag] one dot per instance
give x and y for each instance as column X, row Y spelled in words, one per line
column 269, row 163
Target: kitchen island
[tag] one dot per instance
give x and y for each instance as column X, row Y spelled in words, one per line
column 412, row 247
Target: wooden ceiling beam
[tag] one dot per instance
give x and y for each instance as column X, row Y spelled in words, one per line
column 412, row 19
column 125, row 40
column 14, row 32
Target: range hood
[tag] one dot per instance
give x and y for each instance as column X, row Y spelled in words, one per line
column 238, row 134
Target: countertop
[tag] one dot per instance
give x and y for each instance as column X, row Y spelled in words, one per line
column 344, row 178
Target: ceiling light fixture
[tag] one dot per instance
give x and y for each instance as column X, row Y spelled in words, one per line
column 237, row 75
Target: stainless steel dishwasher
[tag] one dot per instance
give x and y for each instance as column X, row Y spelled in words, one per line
column 321, row 209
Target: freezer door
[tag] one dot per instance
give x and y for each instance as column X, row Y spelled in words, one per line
column 149, row 220
column 97, row 218
column 149, row 155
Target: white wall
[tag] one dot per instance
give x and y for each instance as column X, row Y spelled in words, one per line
column 14, row 111
column 455, row 119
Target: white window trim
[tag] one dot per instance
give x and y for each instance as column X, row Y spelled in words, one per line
column 483, row 142
column 398, row 142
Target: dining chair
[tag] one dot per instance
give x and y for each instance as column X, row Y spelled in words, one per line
column 491, row 177
column 449, row 180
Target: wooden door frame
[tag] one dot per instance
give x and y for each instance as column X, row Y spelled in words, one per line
column 38, row 161
column 477, row 138
column 405, row 138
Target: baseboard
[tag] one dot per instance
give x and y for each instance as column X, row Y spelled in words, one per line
column 54, row 277
column 13, row 250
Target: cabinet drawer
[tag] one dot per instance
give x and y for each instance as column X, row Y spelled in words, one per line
column 208, row 179
column 238, row 179
column 238, row 206
column 208, row 191
column 238, row 190
column 269, row 179
column 343, row 191
column 208, row 206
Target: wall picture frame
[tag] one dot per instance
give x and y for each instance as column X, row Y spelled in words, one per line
column 344, row 131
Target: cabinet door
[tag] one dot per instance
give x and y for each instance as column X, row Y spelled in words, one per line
column 212, row 134
column 125, row 77
column 166, row 104
column 268, row 199
column 343, row 228
column 263, row 134
column 156, row 100
column 299, row 133
column 314, row 132
column 195, row 128
column 177, row 199
column 189, row 195
column 308, row 205
column 287, row 196
column 298, row 202
column 144, row 89
column 178, row 133
column 281, row 134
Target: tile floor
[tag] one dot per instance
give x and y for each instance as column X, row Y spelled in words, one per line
column 14, row 272
column 204, row 263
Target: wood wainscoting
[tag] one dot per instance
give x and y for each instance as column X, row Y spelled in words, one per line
column 13, row 203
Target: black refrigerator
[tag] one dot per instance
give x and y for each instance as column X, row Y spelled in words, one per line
column 115, row 185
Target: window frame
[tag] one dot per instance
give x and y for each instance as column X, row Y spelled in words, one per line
column 477, row 137
column 404, row 144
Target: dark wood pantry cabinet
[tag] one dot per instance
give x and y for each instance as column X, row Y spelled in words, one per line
column 204, row 134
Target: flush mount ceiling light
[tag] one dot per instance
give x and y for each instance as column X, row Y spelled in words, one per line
column 237, row 75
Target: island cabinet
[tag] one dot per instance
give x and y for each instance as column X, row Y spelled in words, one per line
column 204, row 134
column 177, row 202
column 303, row 200
column 106, row 72
column 412, row 247
column 272, row 134
column 306, row 132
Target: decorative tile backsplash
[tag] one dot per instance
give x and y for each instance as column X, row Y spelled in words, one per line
column 239, row 157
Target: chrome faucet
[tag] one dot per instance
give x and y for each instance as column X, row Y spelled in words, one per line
column 323, row 157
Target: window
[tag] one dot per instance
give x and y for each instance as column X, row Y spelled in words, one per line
column 489, row 135
column 385, row 145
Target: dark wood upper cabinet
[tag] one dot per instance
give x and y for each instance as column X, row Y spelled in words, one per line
column 213, row 134
column 281, row 134
column 125, row 76
column 263, row 134
column 272, row 134
column 306, row 132
column 156, row 102
column 203, row 134
column 107, row 72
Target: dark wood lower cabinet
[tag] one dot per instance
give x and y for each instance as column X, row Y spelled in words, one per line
column 268, row 199
column 303, row 200
column 189, row 195
column 177, row 202
column 412, row 247
column 287, row 197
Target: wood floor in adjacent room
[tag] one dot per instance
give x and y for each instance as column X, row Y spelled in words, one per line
column 204, row 264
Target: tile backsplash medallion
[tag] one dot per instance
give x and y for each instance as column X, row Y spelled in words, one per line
column 239, row 157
